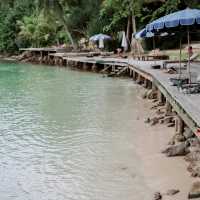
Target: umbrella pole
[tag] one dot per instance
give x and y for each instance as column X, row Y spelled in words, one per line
column 188, row 36
column 180, row 72
column 154, row 45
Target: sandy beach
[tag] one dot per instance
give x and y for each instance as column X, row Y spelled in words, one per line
column 161, row 173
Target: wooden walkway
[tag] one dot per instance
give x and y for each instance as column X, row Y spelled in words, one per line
column 186, row 105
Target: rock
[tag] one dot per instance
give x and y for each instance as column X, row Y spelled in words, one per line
column 179, row 138
column 172, row 124
column 154, row 100
column 194, row 142
column 168, row 119
column 171, row 142
column 159, row 112
column 151, row 94
column 161, row 104
column 157, row 196
column 194, row 191
column 154, row 121
column 193, row 156
column 144, row 95
column 188, row 133
column 172, row 192
column 177, row 150
column 194, row 169
column 148, row 120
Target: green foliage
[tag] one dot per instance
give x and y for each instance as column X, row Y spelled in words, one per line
column 8, row 28
column 25, row 23
column 37, row 30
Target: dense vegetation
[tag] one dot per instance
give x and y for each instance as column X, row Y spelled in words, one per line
column 25, row 23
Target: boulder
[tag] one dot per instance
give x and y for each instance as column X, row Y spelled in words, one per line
column 172, row 192
column 194, row 169
column 194, row 191
column 188, row 133
column 177, row 150
column 194, row 142
column 193, row 156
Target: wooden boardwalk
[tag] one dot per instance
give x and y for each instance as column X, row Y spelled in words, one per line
column 186, row 105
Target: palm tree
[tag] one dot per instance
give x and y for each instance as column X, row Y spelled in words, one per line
column 57, row 7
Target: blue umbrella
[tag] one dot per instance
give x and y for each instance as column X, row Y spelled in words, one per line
column 143, row 34
column 100, row 36
column 187, row 18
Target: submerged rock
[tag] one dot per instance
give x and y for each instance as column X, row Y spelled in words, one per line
column 172, row 192
column 194, row 191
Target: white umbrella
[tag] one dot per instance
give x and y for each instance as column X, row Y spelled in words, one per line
column 100, row 36
column 124, row 42
column 101, row 43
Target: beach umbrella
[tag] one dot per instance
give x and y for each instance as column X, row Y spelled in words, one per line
column 99, row 37
column 124, row 41
column 148, row 34
column 101, row 43
column 143, row 34
column 186, row 18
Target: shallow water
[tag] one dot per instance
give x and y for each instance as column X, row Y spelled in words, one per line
column 67, row 135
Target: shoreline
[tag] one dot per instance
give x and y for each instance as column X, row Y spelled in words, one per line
column 161, row 173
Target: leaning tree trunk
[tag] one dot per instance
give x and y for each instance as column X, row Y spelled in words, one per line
column 128, row 31
column 134, row 24
column 69, row 36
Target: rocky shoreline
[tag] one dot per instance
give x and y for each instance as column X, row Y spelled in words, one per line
column 185, row 145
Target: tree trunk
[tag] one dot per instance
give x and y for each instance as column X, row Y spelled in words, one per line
column 70, row 36
column 128, row 31
column 134, row 24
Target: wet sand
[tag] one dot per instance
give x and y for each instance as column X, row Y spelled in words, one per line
column 160, row 172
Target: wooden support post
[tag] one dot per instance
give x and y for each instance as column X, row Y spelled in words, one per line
column 130, row 72
column 85, row 66
column 41, row 57
column 94, row 67
column 139, row 79
column 145, row 83
column 168, row 108
column 179, row 125
column 113, row 68
column 160, row 97
column 134, row 75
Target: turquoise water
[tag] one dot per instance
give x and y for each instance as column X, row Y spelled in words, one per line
column 67, row 135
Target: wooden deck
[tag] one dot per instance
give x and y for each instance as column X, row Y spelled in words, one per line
column 186, row 105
